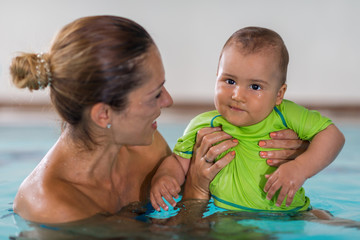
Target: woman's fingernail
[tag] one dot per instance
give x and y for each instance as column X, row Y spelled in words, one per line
column 262, row 143
column 269, row 161
column 235, row 140
column 273, row 134
column 233, row 153
column 263, row 154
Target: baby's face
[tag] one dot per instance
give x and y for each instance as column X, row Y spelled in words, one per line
column 247, row 86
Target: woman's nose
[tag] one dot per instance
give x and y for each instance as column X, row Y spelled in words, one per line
column 166, row 99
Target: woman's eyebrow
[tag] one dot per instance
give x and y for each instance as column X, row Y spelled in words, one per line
column 160, row 86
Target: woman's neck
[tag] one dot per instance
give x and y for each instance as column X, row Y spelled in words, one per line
column 97, row 164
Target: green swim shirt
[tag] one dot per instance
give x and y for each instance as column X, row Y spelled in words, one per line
column 239, row 185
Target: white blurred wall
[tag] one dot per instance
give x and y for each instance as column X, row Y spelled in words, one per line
column 322, row 36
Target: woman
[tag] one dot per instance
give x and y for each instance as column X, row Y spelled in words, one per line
column 106, row 81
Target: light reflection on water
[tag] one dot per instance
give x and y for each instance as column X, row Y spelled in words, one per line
column 336, row 189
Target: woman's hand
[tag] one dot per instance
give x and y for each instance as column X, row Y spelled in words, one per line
column 202, row 168
column 290, row 144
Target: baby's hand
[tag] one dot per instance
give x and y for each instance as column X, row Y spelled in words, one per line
column 289, row 178
column 165, row 186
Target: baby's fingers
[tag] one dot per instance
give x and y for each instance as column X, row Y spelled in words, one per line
column 157, row 202
column 271, row 186
column 170, row 193
column 175, row 192
column 168, row 197
column 290, row 197
column 283, row 192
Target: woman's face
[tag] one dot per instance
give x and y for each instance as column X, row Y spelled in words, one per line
column 137, row 124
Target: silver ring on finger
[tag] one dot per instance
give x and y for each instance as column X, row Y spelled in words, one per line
column 206, row 160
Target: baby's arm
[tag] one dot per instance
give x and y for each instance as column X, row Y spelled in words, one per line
column 290, row 176
column 167, row 181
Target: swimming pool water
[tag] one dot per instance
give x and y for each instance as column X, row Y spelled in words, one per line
column 336, row 189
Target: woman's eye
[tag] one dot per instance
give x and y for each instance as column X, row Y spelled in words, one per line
column 255, row 87
column 230, row 81
column 159, row 95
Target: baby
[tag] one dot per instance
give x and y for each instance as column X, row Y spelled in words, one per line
column 249, row 92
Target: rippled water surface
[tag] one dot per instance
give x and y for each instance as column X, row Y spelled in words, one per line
column 336, row 189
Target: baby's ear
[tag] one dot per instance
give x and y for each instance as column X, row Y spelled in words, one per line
column 280, row 94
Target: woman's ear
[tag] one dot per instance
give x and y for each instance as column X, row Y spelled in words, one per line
column 280, row 94
column 100, row 114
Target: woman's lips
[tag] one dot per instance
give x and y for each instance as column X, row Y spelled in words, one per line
column 154, row 125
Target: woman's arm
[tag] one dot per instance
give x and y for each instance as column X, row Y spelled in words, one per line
column 202, row 168
column 201, row 173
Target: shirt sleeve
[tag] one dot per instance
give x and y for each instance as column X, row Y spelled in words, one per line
column 185, row 144
column 306, row 123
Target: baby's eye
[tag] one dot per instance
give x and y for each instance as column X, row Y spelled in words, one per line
column 255, row 87
column 230, row 81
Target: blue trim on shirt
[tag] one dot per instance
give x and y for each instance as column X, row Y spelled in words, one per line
column 49, row 227
column 252, row 209
column 219, row 115
column 275, row 108
column 188, row 152
column 211, row 124
column 212, row 120
column 281, row 116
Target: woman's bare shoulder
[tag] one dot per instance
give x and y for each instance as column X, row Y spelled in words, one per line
column 51, row 201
